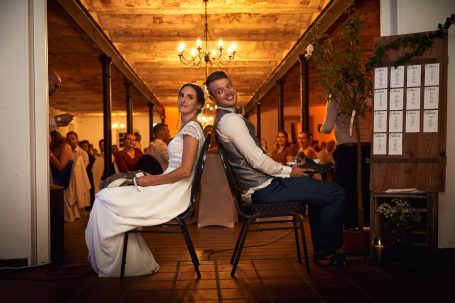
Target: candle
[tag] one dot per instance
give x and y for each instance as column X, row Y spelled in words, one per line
column 378, row 249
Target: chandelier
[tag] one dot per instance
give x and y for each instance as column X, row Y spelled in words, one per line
column 200, row 55
column 207, row 115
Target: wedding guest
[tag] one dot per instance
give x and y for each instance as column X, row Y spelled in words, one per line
column 158, row 147
column 73, row 140
column 56, row 121
column 61, row 159
column 282, row 151
column 345, row 156
column 137, row 140
column 126, row 158
column 305, row 148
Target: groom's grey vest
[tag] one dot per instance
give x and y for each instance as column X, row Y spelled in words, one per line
column 246, row 176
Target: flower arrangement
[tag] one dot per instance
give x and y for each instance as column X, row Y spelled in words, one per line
column 399, row 213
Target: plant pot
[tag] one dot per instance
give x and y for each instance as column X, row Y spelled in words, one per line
column 357, row 242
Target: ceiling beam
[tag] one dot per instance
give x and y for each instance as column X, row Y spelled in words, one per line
column 326, row 19
column 92, row 29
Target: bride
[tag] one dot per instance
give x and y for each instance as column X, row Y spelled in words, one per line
column 155, row 200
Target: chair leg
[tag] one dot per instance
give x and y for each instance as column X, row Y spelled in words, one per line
column 305, row 248
column 296, row 234
column 234, row 253
column 241, row 242
column 125, row 248
column 190, row 246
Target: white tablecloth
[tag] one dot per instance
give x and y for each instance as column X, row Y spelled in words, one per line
column 216, row 206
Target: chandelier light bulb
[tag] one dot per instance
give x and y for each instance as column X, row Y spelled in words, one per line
column 193, row 52
column 199, row 43
column 181, row 47
column 220, row 44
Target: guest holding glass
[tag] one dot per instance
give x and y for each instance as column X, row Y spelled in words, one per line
column 155, row 199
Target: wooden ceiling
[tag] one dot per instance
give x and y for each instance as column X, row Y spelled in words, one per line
column 147, row 33
column 142, row 37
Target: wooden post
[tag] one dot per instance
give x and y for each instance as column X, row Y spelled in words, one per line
column 129, row 107
column 151, row 105
column 258, row 120
column 304, row 94
column 107, row 111
column 279, row 86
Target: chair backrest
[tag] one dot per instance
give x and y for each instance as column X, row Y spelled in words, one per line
column 149, row 164
column 231, row 178
column 199, row 169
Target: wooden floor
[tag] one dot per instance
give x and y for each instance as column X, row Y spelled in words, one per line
column 268, row 272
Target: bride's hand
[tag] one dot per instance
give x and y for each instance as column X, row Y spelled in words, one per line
column 144, row 181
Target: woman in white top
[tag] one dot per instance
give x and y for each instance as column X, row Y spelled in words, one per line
column 156, row 199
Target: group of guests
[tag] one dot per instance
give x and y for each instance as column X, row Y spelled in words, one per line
column 156, row 199
column 71, row 165
column 284, row 151
column 154, row 159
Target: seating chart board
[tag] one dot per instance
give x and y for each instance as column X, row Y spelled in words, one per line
column 409, row 120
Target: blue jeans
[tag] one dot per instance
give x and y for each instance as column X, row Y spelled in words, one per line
column 326, row 206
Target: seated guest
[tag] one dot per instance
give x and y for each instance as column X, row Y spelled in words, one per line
column 126, row 158
column 115, row 149
column 263, row 180
column 61, row 159
column 305, row 148
column 282, row 151
column 325, row 154
column 158, row 147
column 137, row 141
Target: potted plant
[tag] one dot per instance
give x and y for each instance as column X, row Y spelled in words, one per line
column 400, row 217
column 345, row 79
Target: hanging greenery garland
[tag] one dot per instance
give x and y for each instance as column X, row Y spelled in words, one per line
column 419, row 42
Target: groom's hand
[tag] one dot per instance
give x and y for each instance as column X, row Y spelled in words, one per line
column 300, row 172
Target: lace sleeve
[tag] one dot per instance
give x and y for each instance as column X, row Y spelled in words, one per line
column 194, row 130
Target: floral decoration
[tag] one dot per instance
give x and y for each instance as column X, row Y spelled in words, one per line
column 399, row 213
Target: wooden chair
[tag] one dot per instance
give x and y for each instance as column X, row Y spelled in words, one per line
column 249, row 212
column 180, row 219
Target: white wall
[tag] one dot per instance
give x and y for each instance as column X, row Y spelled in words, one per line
column 24, row 219
column 90, row 127
column 412, row 16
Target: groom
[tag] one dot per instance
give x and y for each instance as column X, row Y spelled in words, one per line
column 262, row 180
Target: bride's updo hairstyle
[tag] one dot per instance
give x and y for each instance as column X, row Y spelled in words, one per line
column 199, row 92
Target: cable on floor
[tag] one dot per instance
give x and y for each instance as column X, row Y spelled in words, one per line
column 211, row 252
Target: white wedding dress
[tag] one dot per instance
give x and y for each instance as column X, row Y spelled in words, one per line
column 119, row 209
